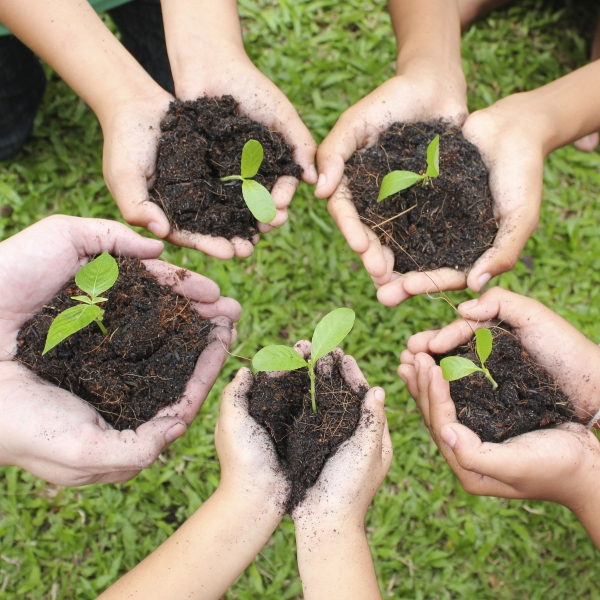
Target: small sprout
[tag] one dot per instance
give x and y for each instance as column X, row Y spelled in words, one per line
column 257, row 197
column 456, row 367
column 96, row 277
column 329, row 332
column 396, row 181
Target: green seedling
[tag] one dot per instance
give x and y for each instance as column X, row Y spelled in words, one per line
column 329, row 332
column 94, row 278
column 456, row 367
column 396, row 181
column 257, row 197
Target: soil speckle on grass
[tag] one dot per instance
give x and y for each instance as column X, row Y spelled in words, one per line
column 154, row 341
column 202, row 141
column 527, row 398
column 304, row 441
column 447, row 223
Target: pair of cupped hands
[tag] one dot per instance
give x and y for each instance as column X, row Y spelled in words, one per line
column 507, row 135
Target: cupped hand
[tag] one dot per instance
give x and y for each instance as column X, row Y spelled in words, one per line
column 352, row 476
column 553, row 343
column 49, row 431
column 260, row 99
column 249, row 463
column 561, row 464
column 420, row 94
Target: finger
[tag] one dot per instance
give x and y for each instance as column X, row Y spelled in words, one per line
column 303, row 144
column 303, row 348
column 183, row 282
column 374, row 259
column 352, row 374
column 454, row 335
column 264, row 227
column 283, row 191
column 409, row 376
column 393, row 293
column 343, row 212
column 94, row 236
column 324, row 366
column 241, row 247
column 224, row 306
column 387, row 449
column 431, row 282
column 280, row 218
column 422, row 367
column 587, row 143
column 419, row 342
column 390, row 260
column 234, row 399
column 213, row 246
column 369, row 432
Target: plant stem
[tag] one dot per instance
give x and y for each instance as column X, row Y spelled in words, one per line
column 490, row 378
column 231, row 178
column 311, row 373
column 101, row 325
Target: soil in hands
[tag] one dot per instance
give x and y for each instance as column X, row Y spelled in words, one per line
column 448, row 222
column 202, row 141
column 304, row 440
column 527, row 397
column 154, row 340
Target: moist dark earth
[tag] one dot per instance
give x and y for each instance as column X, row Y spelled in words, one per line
column 154, row 340
column 527, row 397
column 305, row 441
column 202, row 141
column 448, row 222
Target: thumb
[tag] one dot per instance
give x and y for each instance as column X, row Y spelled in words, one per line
column 373, row 422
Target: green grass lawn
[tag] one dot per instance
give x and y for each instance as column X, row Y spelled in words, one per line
column 429, row 538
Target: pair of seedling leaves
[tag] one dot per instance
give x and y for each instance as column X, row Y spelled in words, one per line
column 396, row 181
column 257, row 197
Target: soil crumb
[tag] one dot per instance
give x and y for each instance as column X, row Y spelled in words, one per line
column 154, row 340
column 202, row 141
column 447, row 223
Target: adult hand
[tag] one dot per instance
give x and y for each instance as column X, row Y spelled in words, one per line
column 420, row 93
column 49, row 431
column 552, row 342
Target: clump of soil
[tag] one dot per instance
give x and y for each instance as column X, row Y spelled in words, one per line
column 446, row 223
column 305, row 441
column 154, row 340
column 202, row 141
column 527, row 397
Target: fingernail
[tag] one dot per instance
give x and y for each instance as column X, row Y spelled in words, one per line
column 154, row 228
column 175, row 432
column 483, row 279
column 311, row 173
column 469, row 304
column 321, row 181
column 380, row 395
column 449, row 436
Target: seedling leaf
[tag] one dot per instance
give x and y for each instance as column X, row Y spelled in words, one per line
column 98, row 275
column 83, row 299
column 397, row 181
column 69, row 322
column 330, row 331
column 278, row 358
column 259, row 201
column 456, row 367
column 433, row 158
column 483, row 344
column 252, row 157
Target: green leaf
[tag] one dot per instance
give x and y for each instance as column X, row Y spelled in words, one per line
column 83, row 299
column 259, row 201
column 278, row 358
column 99, row 299
column 330, row 331
column 433, row 158
column 456, row 367
column 397, row 181
column 98, row 275
column 69, row 322
column 252, row 157
column 483, row 344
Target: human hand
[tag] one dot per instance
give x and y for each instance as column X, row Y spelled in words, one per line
column 419, row 94
column 570, row 358
column 51, row 432
column 249, row 464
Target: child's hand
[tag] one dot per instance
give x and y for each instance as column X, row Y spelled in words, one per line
column 249, row 464
column 561, row 464
column 420, row 94
column 49, row 431
column 551, row 341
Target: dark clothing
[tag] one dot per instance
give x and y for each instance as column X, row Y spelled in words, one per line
column 22, row 78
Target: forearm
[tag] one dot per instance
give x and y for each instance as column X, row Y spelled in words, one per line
column 200, row 35
column 335, row 562
column 205, row 555
column 72, row 39
column 427, row 31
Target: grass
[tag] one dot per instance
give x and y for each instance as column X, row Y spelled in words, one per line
column 429, row 538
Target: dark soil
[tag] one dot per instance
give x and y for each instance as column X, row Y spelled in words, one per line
column 305, row 441
column 154, row 340
column 527, row 397
column 201, row 142
column 449, row 222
